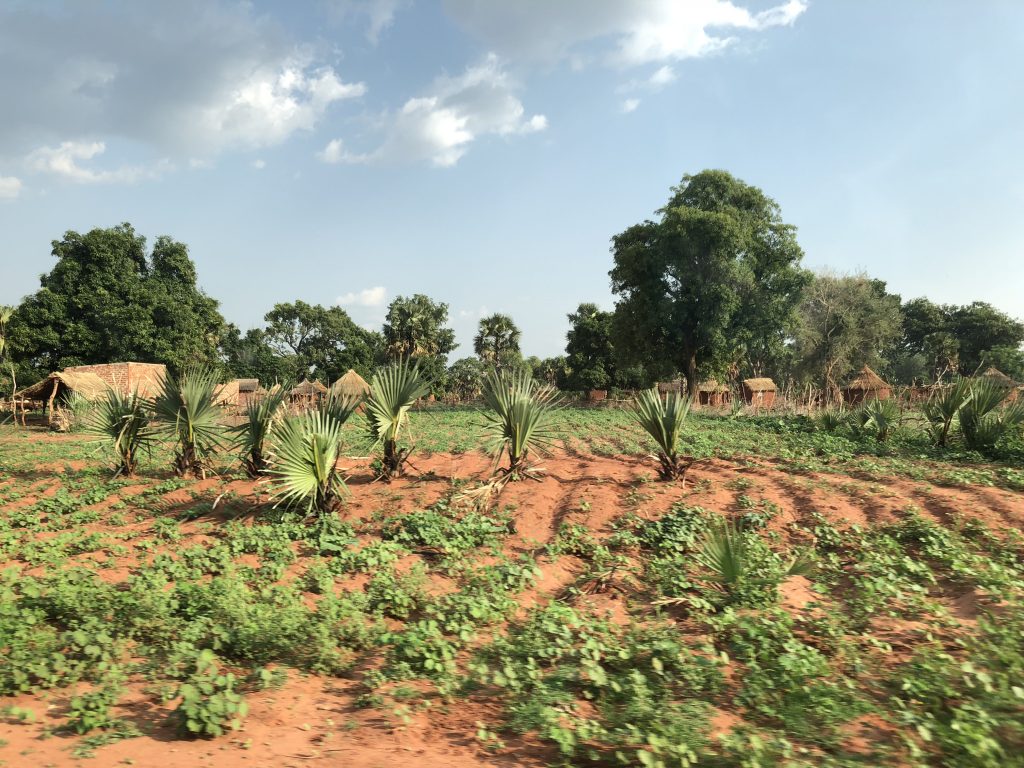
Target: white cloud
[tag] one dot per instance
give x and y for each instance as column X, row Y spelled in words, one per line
column 630, row 105
column 63, row 160
column 368, row 297
column 640, row 31
column 662, row 77
column 117, row 71
column 10, row 187
column 439, row 126
column 258, row 164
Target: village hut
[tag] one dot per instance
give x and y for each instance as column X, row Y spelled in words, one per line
column 227, row 393
column 127, row 378
column 248, row 391
column 866, row 385
column 712, row 393
column 351, row 385
column 759, row 392
column 307, row 393
column 1002, row 381
column 59, row 387
column 676, row 385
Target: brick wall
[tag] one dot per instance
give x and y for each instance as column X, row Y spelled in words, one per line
column 126, row 377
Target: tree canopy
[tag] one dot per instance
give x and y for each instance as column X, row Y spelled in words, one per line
column 846, row 322
column 321, row 342
column 416, row 328
column 497, row 341
column 106, row 300
column 709, row 287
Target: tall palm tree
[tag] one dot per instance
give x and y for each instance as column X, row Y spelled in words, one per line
column 497, row 339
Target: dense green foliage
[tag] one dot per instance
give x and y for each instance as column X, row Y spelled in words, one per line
column 712, row 283
column 107, row 300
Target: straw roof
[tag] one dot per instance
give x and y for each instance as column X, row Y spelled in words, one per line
column 867, row 381
column 88, row 385
column 998, row 378
column 760, row 385
column 351, row 385
column 711, row 385
column 307, row 388
column 248, row 385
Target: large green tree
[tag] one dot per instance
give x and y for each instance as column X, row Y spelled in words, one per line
column 845, row 323
column 253, row 357
column 416, row 328
column 961, row 339
column 105, row 300
column 711, row 285
column 497, row 341
column 323, row 342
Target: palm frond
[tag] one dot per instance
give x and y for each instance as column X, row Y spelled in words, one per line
column 303, row 463
column 254, row 433
column 663, row 420
column 518, row 418
column 943, row 408
column 122, row 421
column 187, row 411
column 393, row 391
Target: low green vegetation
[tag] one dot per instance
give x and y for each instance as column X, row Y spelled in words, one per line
column 676, row 632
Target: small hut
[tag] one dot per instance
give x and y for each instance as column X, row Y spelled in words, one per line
column 248, row 390
column 676, row 385
column 126, row 378
column 866, row 385
column 759, row 392
column 712, row 393
column 226, row 394
column 307, row 393
column 1002, row 381
column 351, row 385
column 61, row 385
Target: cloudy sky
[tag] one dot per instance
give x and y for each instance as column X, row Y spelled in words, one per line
column 484, row 152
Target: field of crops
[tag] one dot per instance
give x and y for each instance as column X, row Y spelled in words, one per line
column 578, row 619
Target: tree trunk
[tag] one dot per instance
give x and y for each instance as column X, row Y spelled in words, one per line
column 691, row 376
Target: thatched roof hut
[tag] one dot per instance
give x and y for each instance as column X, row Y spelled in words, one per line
column 62, row 384
column 307, row 391
column 759, row 392
column 998, row 378
column 227, row 393
column 351, row 385
column 144, row 378
column 676, row 385
column 710, row 392
column 866, row 385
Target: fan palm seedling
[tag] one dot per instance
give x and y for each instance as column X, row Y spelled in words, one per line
column 304, row 462
column 663, row 420
column 518, row 418
column 876, row 418
column 393, row 391
column 726, row 553
column 831, row 419
column 253, row 434
column 984, row 421
column 187, row 411
column 123, row 422
column 943, row 407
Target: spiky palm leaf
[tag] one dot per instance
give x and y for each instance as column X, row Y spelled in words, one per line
column 876, row 418
column 831, row 419
column 726, row 554
column 393, row 391
column 943, row 407
column 518, row 417
column 304, row 462
column 123, row 422
column 187, row 411
column 663, row 420
column 253, row 434
column 984, row 421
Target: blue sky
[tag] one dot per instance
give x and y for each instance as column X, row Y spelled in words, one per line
column 484, row 153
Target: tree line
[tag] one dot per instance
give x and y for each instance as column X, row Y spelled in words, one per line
column 712, row 287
